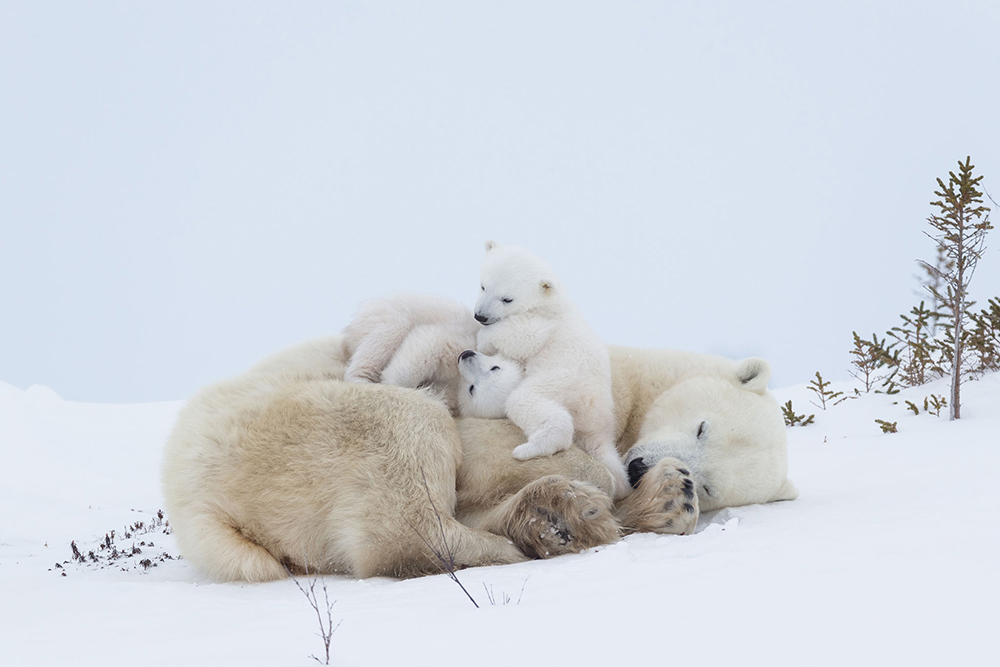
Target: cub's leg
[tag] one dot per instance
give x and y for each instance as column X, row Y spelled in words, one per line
column 548, row 424
column 600, row 445
column 663, row 502
column 552, row 516
column 374, row 351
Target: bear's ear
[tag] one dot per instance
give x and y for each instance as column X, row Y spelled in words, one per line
column 548, row 286
column 786, row 492
column 753, row 373
column 490, row 245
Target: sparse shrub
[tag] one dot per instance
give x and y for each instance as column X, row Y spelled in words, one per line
column 111, row 551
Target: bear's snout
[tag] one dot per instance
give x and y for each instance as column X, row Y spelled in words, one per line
column 481, row 318
column 465, row 355
column 636, row 469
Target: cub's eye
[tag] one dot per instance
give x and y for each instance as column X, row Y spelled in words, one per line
column 472, row 389
column 506, row 300
column 495, row 368
column 482, row 288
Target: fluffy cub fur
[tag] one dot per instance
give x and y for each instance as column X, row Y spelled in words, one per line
column 528, row 317
column 409, row 340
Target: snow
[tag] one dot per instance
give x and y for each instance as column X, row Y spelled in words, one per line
column 888, row 556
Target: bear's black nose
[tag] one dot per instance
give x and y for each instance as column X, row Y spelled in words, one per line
column 466, row 355
column 636, row 469
column 481, row 319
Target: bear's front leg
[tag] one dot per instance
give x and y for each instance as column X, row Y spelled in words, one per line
column 553, row 516
column 664, row 501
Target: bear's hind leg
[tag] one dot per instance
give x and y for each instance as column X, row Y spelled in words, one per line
column 428, row 547
column 552, row 516
column 216, row 545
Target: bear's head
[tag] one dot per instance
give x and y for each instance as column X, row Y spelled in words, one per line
column 486, row 382
column 513, row 281
column 728, row 430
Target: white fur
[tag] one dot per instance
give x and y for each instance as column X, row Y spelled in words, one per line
column 409, row 340
column 287, row 466
column 566, row 392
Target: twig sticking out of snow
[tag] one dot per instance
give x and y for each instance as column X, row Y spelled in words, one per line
column 445, row 559
column 326, row 626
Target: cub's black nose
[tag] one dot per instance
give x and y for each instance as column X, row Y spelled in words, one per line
column 636, row 469
column 466, row 355
column 481, row 318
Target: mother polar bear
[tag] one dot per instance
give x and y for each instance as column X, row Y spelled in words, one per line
column 287, row 468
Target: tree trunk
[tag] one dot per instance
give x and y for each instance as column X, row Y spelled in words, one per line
column 955, row 406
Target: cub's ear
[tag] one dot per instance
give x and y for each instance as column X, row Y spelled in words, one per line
column 490, row 245
column 752, row 374
column 548, row 286
column 786, row 492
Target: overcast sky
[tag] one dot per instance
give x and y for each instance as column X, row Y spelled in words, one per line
column 187, row 187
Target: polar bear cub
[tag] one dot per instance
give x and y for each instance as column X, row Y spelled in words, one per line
column 487, row 383
column 414, row 340
column 527, row 317
column 409, row 340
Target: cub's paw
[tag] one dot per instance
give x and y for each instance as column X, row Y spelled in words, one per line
column 664, row 501
column 555, row 515
column 528, row 450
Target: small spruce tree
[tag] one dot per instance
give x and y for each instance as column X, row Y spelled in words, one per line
column 931, row 283
column 792, row 419
column 915, row 346
column 934, row 403
column 984, row 339
column 823, row 393
column 960, row 230
column 872, row 362
column 887, row 427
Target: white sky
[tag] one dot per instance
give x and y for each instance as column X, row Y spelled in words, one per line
column 186, row 188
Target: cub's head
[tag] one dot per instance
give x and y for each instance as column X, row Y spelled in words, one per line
column 513, row 281
column 728, row 430
column 486, row 382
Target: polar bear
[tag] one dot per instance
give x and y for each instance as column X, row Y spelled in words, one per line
column 287, row 468
column 527, row 316
column 409, row 340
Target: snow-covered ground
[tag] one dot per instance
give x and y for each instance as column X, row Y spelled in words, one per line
column 890, row 556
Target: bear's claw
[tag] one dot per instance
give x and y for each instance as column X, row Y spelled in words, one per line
column 663, row 502
column 554, row 516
